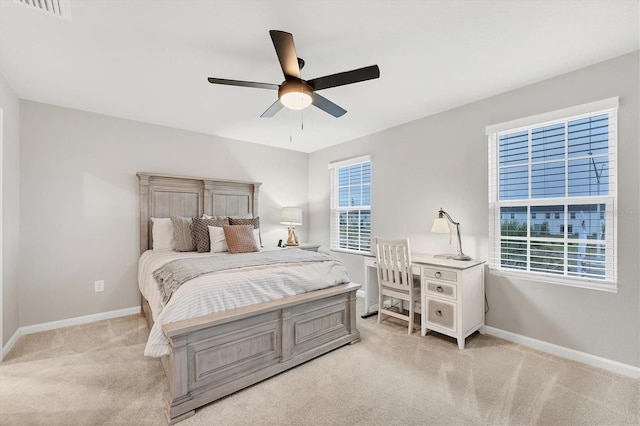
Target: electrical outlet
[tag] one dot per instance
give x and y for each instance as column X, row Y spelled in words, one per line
column 99, row 286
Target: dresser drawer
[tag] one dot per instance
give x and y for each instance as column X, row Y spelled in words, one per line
column 441, row 289
column 441, row 313
column 441, row 274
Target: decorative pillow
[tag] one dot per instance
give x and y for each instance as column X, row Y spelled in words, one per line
column 242, row 216
column 256, row 236
column 240, row 238
column 255, row 222
column 218, row 243
column 201, row 232
column 183, row 233
column 162, row 233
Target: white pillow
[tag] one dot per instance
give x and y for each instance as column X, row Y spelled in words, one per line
column 219, row 243
column 216, row 237
column 162, row 234
column 256, row 236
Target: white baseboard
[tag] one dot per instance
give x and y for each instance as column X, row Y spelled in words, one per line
column 29, row 329
column 561, row 351
column 6, row 348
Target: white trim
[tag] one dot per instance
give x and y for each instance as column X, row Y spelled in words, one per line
column 29, row 329
column 53, row 325
column 564, row 352
column 350, row 161
column 587, row 108
column 10, row 343
column 2, row 347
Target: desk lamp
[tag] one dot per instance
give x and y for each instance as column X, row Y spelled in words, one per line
column 441, row 226
column 291, row 216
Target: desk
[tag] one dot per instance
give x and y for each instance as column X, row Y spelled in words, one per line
column 451, row 294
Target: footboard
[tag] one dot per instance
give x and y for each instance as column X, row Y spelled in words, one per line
column 216, row 355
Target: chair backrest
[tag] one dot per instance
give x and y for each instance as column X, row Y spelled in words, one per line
column 394, row 263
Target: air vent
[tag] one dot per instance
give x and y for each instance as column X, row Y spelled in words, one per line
column 59, row 8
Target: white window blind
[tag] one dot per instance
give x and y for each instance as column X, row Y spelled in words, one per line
column 350, row 222
column 553, row 197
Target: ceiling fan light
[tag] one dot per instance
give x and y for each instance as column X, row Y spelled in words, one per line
column 296, row 100
column 295, row 95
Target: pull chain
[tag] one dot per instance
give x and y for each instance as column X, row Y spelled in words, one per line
column 291, row 124
column 290, row 129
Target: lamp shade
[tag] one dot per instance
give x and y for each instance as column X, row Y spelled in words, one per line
column 440, row 226
column 291, row 216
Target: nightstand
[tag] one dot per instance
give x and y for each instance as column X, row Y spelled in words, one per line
column 306, row 246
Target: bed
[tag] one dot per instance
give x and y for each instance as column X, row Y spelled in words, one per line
column 212, row 355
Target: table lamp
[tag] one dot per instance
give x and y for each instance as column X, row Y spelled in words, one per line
column 441, row 226
column 291, row 216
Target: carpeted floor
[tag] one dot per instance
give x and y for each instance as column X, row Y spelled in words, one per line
column 95, row 374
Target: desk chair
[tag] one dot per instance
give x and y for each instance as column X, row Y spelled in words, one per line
column 395, row 280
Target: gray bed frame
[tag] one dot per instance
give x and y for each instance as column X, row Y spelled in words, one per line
column 218, row 354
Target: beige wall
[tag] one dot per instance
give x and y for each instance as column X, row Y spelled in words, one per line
column 441, row 161
column 80, row 206
column 10, row 196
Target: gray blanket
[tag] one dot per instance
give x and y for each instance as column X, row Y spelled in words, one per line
column 175, row 273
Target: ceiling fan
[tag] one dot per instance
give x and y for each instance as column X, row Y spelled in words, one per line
column 296, row 93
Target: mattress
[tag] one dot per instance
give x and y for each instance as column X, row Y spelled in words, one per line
column 229, row 289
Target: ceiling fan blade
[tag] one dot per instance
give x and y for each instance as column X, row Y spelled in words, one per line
column 347, row 77
column 273, row 109
column 213, row 80
column 286, row 51
column 327, row 106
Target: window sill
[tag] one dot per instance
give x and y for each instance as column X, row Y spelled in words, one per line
column 361, row 253
column 606, row 286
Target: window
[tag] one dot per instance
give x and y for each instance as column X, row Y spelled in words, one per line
column 350, row 227
column 562, row 164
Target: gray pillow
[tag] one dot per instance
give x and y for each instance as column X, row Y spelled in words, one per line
column 183, row 233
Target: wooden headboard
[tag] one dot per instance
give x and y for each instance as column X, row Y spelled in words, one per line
column 164, row 195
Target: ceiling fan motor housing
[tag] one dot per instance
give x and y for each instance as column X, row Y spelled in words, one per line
column 295, row 94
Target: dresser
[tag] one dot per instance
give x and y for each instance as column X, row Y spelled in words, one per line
column 451, row 294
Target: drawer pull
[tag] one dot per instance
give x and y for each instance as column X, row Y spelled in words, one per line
column 439, row 313
column 439, row 289
column 438, row 275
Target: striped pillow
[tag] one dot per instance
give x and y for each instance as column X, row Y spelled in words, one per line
column 240, row 238
column 183, row 233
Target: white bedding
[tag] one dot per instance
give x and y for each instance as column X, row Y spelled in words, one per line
column 226, row 289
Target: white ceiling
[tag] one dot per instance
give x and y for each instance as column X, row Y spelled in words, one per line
column 149, row 60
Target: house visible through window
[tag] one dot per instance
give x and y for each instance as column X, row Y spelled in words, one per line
column 559, row 166
column 350, row 224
